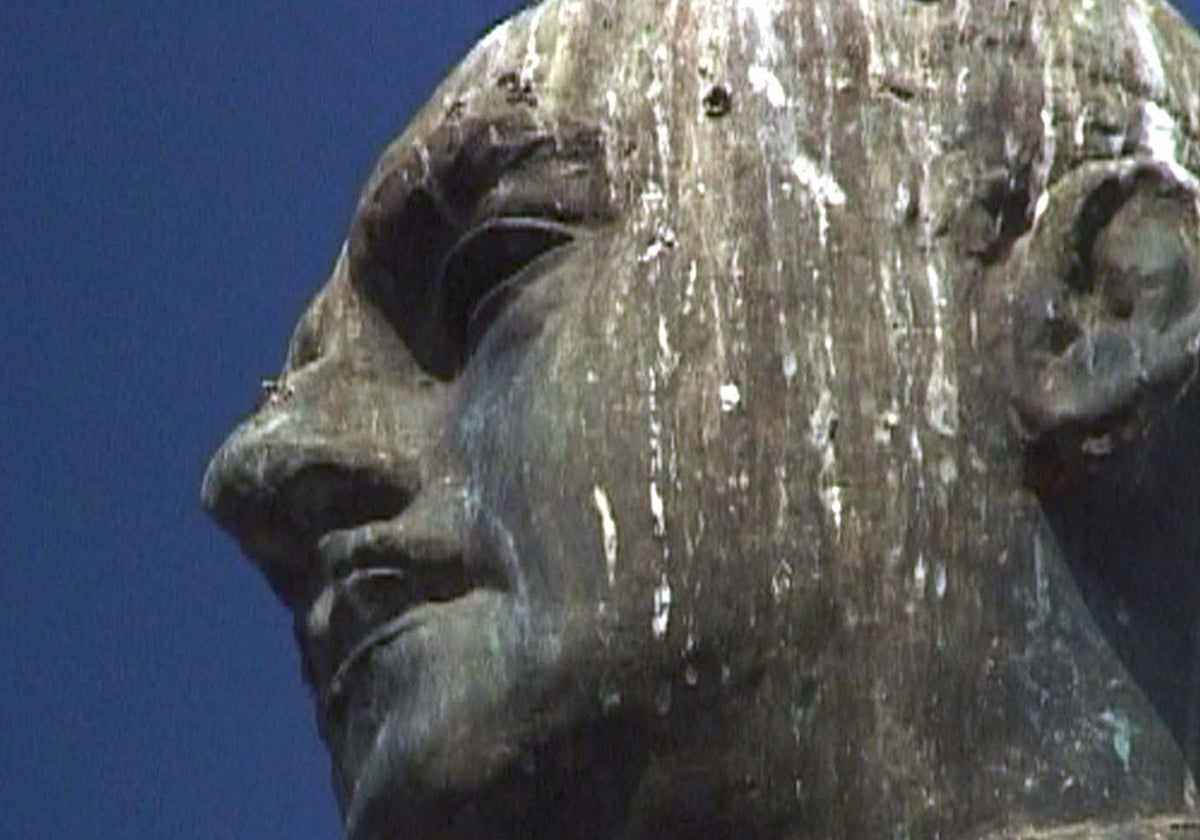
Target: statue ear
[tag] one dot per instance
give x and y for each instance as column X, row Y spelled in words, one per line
column 1103, row 300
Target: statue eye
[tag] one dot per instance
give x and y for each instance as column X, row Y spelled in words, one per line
column 486, row 270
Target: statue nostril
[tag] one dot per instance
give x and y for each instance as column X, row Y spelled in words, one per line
column 324, row 497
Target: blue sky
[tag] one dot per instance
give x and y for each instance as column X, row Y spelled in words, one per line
column 175, row 180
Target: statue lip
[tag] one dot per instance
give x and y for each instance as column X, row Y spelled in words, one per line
column 374, row 605
column 386, row 578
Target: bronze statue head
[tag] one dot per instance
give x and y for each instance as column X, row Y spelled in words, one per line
column 756, row 419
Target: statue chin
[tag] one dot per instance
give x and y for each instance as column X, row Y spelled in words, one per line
column 428, row 720
column 475, row 725
column 756, row 420
column 399, row 710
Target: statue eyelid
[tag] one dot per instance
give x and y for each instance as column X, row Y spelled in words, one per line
column 485, row 271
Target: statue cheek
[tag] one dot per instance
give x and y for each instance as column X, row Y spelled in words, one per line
column 1103, row 323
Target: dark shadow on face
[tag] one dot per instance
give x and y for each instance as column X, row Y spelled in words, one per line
column 576, row 785
column 1131, row 535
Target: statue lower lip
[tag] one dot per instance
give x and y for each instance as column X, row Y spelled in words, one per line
column 382, row 634
column 422, row 594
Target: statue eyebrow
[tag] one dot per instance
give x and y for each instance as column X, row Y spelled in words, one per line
column 477, row 167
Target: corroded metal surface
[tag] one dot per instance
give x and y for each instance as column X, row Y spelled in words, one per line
column 1162, row 828
column 756, row 419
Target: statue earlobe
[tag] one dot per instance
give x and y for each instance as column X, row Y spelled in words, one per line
column 1103, row 312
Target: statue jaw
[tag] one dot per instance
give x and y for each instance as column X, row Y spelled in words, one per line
column 427, row 719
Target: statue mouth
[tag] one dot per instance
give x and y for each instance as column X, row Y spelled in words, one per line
column 384, row 582
column 371, row 606
column 405, row 603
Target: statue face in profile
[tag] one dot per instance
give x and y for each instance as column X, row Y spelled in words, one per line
column 759, row 420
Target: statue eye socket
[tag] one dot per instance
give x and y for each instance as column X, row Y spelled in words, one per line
column 486, row 270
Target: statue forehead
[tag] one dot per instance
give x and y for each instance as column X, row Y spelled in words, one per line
column 1083, row 68
column 897, row 120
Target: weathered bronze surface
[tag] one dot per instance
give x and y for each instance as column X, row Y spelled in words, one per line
column 758, row 419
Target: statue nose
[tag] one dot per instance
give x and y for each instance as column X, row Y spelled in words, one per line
column 288, row 475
